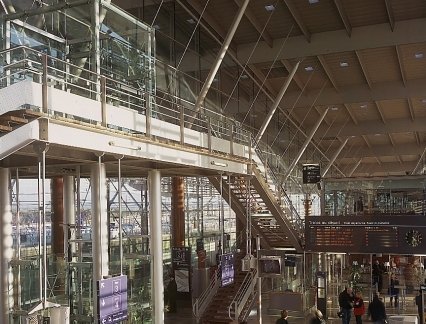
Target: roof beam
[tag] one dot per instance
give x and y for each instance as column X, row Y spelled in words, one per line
column 364, row 37
column 390, row 14
column 354, row 120
column 411, row 108
column 401, row 65
column 372, row 128
column 384, row 168
column 327, row 71
column 357, row 94
column 383, row 150
column 343, row 16
column 253, row 20
column 380, row 112
column 298, row 19
column 364, row 70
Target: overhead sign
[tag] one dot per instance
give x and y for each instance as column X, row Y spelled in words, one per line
column 181, row 260
column 112, row 299
column 311, row 173
column 398, row 234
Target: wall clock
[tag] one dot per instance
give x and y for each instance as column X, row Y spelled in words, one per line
column 413, row 238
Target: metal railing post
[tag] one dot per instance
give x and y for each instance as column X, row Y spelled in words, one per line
column 209, row 133
column 103, row 101
column 182, row 124
column 44, row 84
column 148, row 112
column 231, row 140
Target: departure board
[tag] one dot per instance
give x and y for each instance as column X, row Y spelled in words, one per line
column 405, row 234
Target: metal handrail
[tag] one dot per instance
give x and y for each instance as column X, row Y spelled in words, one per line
column 202, row 302
column 243, row 294
column 128, row 93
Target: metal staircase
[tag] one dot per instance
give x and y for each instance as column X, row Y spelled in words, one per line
column 272, row 217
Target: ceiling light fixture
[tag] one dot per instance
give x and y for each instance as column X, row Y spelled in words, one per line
column 313, row 1
column 221, row 164
column 270, row 7
column 156, row 26
column 309, row 68
column 424, row 101
column 344, row 64
column 244, row 76
column 363, row 106
column 334, row 108
column 191, row 21
column 418, row 55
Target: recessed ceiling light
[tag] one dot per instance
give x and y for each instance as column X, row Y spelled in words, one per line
column 424, row 101
column 334, row 108
column 309, row 68
column 156, row 26
column 244, row 76
column 418, row 55
column 270, row 7
column 313, row 1
column 377, row 134
column 363, row 106
column 191, row 21
column 344, row 64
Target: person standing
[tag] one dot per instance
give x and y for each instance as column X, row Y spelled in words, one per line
column 359, row 308
column 346, row 299
column 172, row 294
column 419, row 303
column 283, row 318
column 376, row 310
column 393, row 291
column 378, row 275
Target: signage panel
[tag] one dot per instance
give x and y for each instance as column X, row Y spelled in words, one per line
column 227, row 269
column 311, row 173
column 112, row 299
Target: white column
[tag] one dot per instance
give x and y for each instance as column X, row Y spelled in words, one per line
column 157, row 286
column 5, row 246
column 99, row 228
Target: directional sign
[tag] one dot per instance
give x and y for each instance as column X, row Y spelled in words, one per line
column 311, row 173
column 112, row 299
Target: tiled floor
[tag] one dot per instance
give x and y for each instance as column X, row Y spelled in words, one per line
column 185, row 316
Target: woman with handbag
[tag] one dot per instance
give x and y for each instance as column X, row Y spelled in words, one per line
column 359, row 308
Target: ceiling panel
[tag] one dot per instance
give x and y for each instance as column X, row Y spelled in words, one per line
column 364, row 111
column 345, row 75
column 381, row 64
column 409, row 158
column 415, row 68
column 412, row 9
column 319, row 17
column 394, row 109
column 419, row 106
column 280, row 24
column 403, row 138
column 311, row 73
column 365, row 12
column 378, row 139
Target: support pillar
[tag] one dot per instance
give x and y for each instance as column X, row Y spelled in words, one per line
column 70, row 230
column 157, row 286
column 57, row 234
column 6, row 242
column 99, row 228
column 178, row 213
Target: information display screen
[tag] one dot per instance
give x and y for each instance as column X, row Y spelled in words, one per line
column 311, row 173
column 270, row 266
column 402, row 234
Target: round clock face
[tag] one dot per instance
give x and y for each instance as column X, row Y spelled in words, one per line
column 413, row 238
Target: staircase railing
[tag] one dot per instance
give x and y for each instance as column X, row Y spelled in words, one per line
column 202, row 302
column 272, row 172
column 239, row 302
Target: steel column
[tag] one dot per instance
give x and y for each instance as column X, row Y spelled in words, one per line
column 5, row 245
column 305, row 145
column 275, row 105
column 157, row 286
column 219, row 57
column 330, row 163
column 178, row 213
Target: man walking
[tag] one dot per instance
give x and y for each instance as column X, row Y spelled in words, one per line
column 346, row 299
